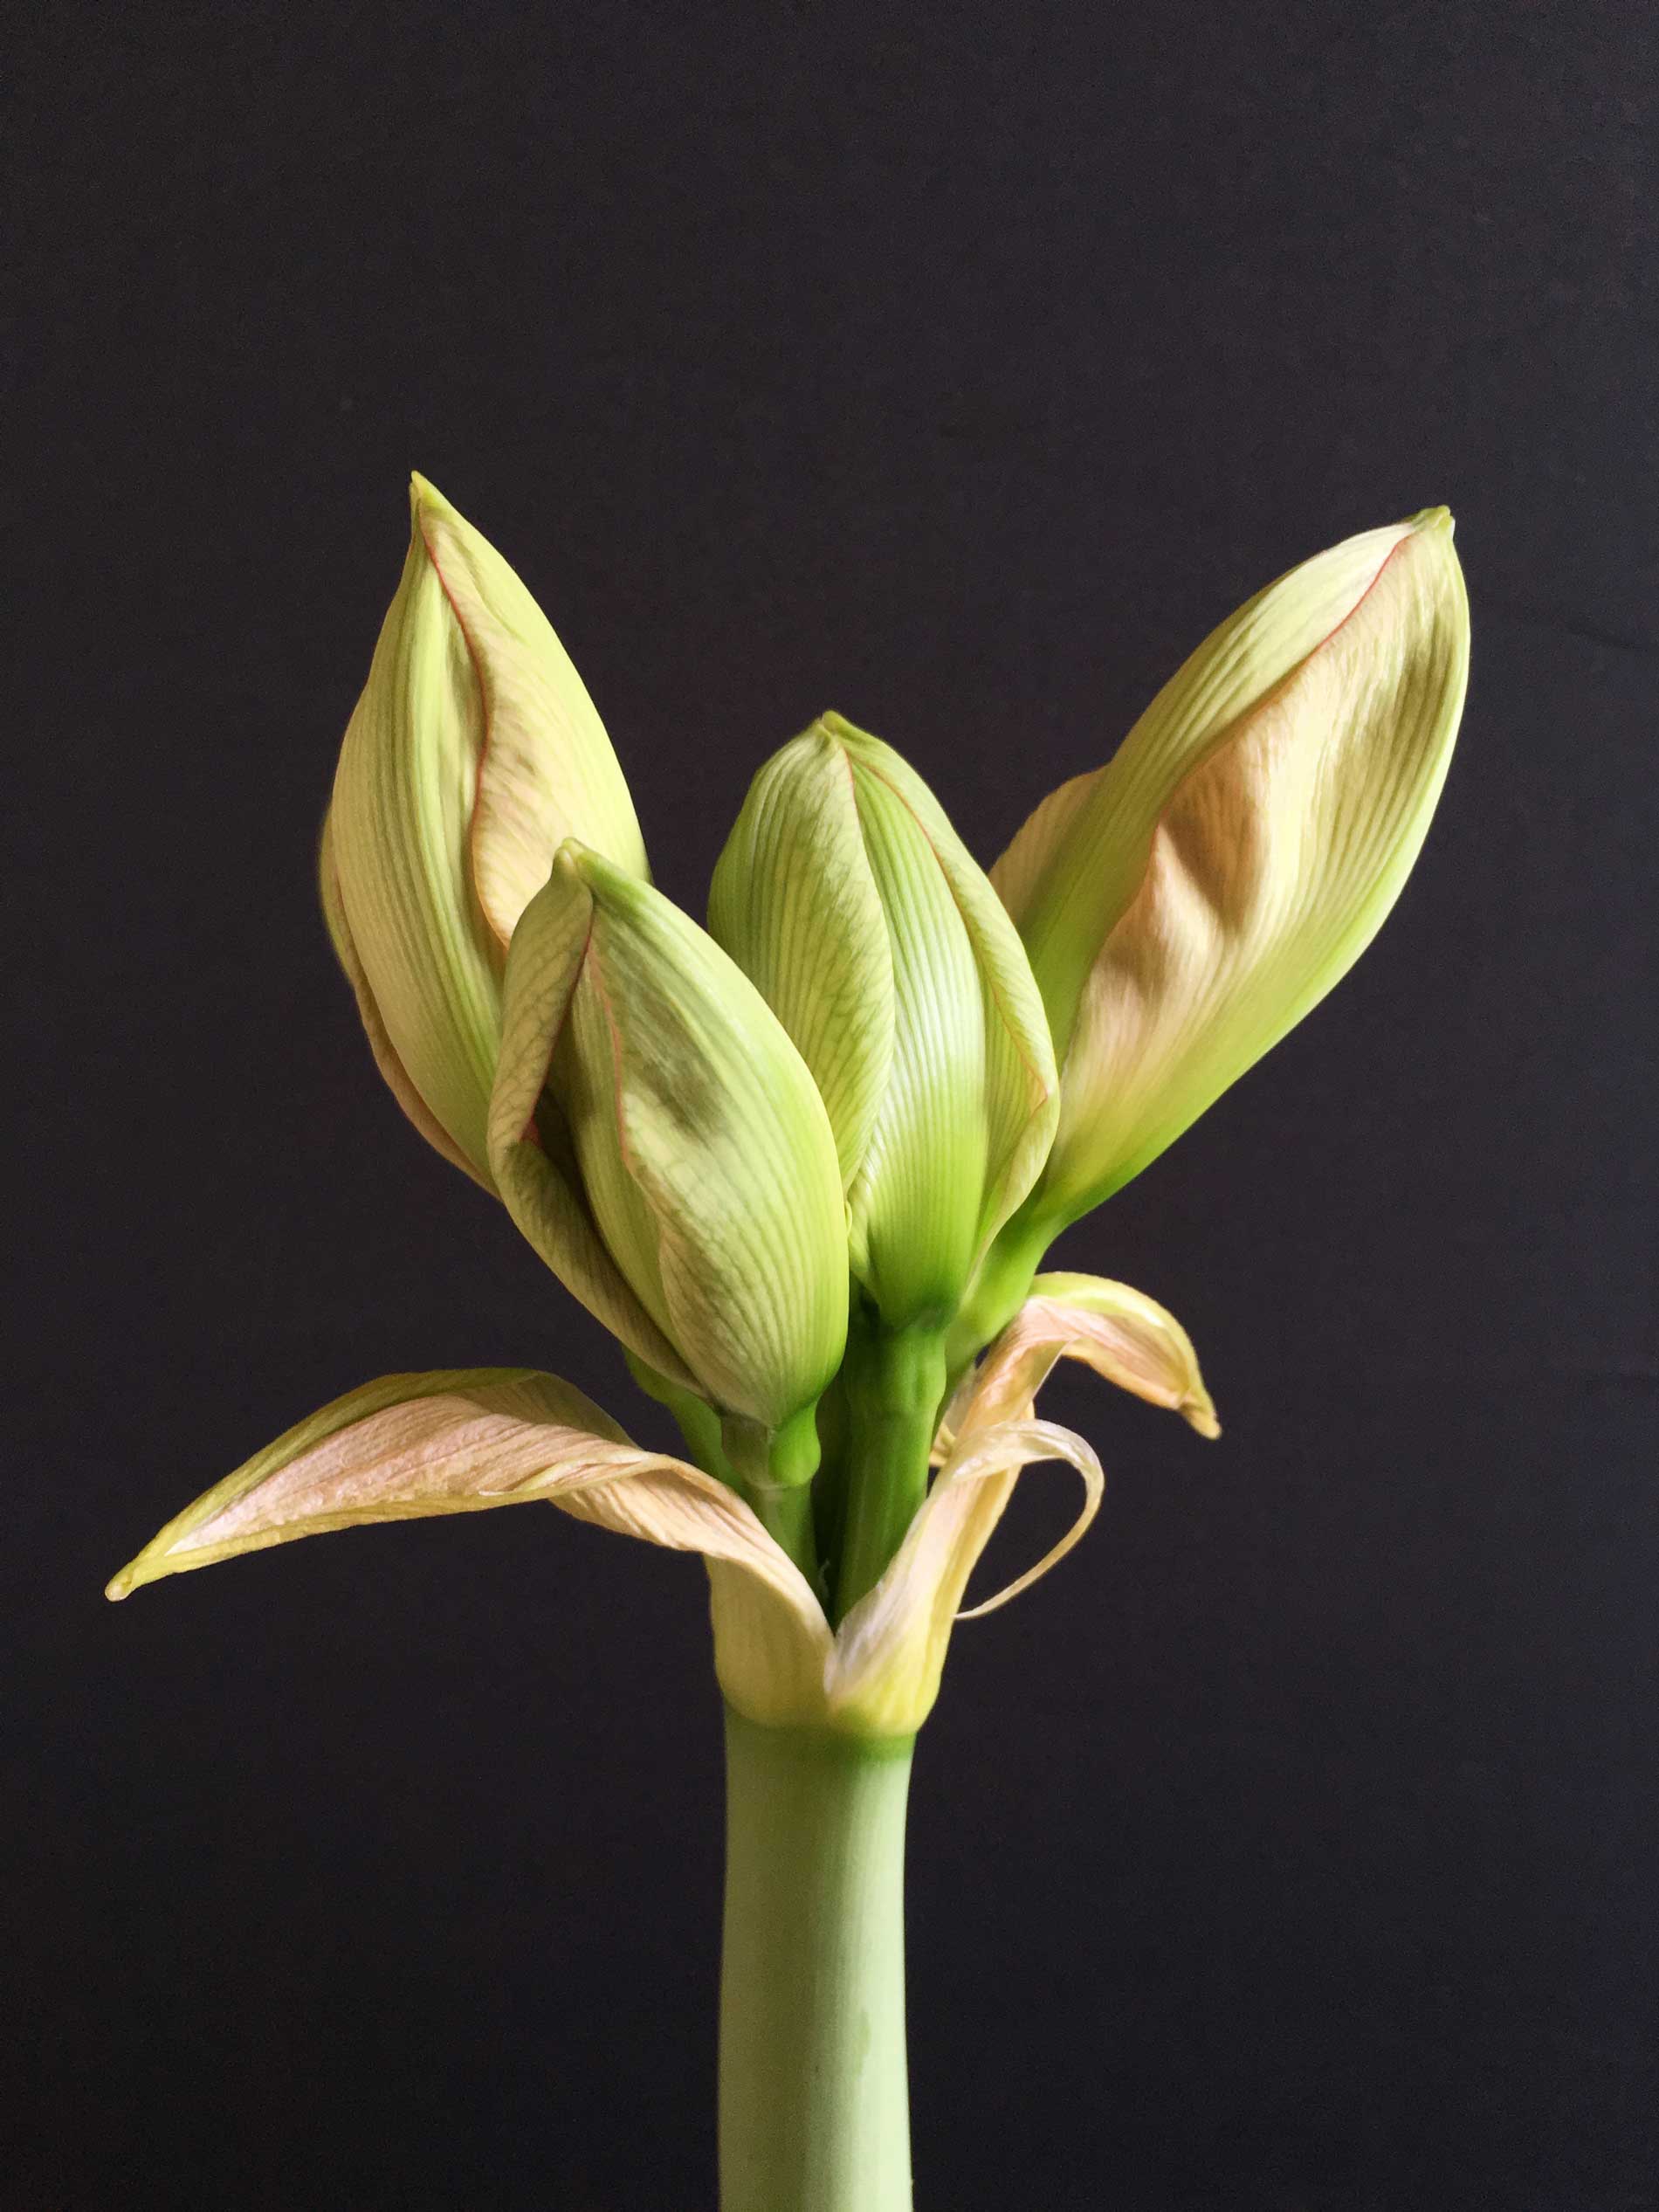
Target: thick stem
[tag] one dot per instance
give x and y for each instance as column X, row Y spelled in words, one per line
column 814, row 2106
column 895, row 1387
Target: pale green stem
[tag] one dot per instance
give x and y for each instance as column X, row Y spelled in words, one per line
column 815, row 2104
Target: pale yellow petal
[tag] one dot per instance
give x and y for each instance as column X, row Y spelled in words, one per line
column 380, row 1045
column 546, row 769
column 1124, row 1336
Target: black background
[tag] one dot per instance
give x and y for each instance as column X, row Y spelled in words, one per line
column 1293, row 1847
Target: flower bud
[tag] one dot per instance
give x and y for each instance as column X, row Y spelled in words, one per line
column 1189, row 903
column 472, row 753
column 846, row 895
column 658, row 1140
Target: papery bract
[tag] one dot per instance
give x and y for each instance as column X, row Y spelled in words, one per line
column 460, row 1440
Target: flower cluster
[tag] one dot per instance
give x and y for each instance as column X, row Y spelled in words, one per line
column 805, row 1163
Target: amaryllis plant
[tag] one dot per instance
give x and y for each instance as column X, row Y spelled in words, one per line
column 805, row 1164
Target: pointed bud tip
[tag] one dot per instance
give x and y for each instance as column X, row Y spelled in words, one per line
column 610, row 889
column 833, row 734
column 584, row 865
column 1432, row 521
column 425, row 497
column 121, row 1586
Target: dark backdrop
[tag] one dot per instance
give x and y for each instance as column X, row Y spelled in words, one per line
column 1292, row 1847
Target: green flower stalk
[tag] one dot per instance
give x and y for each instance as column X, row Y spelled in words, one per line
column 805, row 1165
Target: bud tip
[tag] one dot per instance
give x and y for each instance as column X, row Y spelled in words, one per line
column 424, row 495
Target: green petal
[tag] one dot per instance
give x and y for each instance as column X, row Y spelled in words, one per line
column 532, row 1149
column 473, row 752
column 972, row 1098
column 1185, row 906
column 794, row 903
column 714, row 1118
column 848, row 898
column 660, row 1142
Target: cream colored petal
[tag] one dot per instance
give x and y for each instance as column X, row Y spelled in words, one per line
column 380, row 1043
column 772, row 1643
column 890, row 1650
column 1124, row 1336
column 460, row 1440
column 546, row 770
column 448, row 1441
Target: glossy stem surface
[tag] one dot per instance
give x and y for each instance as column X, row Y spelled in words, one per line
column 815, row 2102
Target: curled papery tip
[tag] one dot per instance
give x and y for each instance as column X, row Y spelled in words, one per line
column 1035, row 1442
column 1199, row 1414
